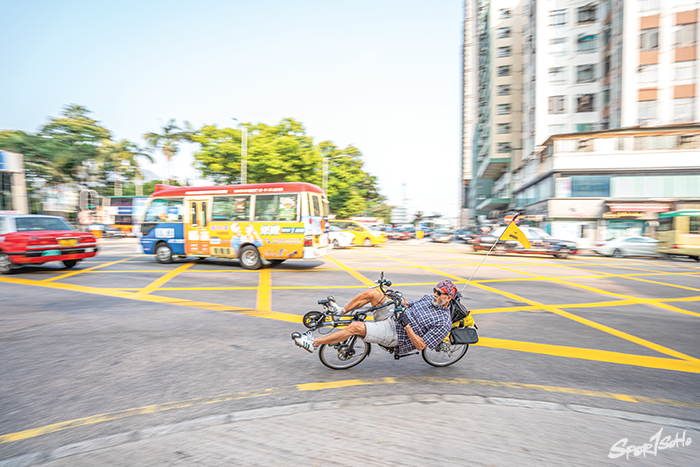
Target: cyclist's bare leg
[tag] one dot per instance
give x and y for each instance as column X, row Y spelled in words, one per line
column 356, row 328
column 373, row 296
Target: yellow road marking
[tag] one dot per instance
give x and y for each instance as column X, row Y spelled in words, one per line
column 692, row 366
column 165, row 278
column 264, row 299
column 593, row 324
column 352, row 272
column 150, row 409
column 75, row 273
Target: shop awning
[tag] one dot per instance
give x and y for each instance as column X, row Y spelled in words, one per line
column 639, row 207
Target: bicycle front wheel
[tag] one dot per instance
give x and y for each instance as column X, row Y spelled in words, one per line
column 344, row 355
column 444, row 354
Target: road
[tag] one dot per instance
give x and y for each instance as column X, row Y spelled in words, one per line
column 122, row 344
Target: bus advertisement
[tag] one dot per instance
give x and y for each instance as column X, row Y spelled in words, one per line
column 258, row 224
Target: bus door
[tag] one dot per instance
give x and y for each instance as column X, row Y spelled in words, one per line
column 197, row 229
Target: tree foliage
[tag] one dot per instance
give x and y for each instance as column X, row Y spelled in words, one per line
column 285, row 153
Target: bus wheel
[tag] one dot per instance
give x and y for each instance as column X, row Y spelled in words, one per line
column 250, row 257
column 164, row 254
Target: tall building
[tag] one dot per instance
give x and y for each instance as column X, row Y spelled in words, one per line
column 577, row 66
column 496, row 144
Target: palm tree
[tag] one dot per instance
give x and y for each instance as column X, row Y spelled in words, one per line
column 118, row 160
column 168, row 140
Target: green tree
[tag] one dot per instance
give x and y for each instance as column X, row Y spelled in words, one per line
column 116, row 162
column 169, row 139
column 285, row 153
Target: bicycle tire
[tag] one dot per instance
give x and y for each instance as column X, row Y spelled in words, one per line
column 444, row 356
column 310, row 319
column 330, row 355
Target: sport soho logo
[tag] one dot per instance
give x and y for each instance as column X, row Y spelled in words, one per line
column 655, row 444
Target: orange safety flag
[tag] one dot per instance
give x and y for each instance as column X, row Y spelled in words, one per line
column 512, row 232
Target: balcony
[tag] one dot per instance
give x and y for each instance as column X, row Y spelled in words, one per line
column 490, row 204
column 493, row 166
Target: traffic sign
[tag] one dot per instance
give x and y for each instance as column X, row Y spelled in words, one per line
column 86, row 220
column 509, row 218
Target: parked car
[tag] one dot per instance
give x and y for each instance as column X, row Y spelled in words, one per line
column 398, row 234
column 629, row 246
column 363, row 235
column 34, row 239
column 540, row 241
column 114, row 232
column 441, row 236
column 339, row 238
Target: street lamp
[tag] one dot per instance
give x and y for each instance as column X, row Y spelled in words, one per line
column 325, row 169
column 244, row 152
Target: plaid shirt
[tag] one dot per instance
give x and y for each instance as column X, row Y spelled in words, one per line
column 431, row 323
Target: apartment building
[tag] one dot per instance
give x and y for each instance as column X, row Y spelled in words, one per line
column 587, row 66
column 497, row 134
column 599, row 185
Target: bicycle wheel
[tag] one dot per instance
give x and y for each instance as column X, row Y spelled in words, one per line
column 444, row 354
column 311, row 318
column 343, row 356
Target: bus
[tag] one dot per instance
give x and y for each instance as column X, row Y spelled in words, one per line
column 678, row 233
column 259, row 224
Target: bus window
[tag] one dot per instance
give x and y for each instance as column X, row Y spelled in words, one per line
column 204, row 214
column 317, row 205
column 193, row 213
column 694, row 227
column 164, row 210
column 665, row 225
column 231, row 208
column 276, row 207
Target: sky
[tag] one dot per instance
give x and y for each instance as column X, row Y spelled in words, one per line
column 382, row 75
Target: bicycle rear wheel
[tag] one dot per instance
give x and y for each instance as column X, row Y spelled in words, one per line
column 344, row 355
column 444, row 354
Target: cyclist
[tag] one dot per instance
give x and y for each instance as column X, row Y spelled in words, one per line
column 424, row 322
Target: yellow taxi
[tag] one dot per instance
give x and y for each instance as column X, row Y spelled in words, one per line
column 363, row 235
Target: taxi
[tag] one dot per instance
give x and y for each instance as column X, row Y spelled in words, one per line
column 33, row 239
column 363, row 235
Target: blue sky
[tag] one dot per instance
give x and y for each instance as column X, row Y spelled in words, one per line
column 383, row 75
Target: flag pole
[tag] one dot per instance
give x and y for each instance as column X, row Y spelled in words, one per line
column 487, row 253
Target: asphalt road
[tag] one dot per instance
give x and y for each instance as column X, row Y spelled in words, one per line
column 123, row 343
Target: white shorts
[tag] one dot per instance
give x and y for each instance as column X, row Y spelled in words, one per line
column 382, row 332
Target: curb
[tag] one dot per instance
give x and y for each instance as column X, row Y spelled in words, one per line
column 269, row 412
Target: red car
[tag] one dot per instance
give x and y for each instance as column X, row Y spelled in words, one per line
column 32, row 239
column 399, row 234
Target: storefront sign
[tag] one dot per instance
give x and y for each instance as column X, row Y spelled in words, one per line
column 623, row 215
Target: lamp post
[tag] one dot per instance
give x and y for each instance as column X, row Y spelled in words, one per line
column 325, row 169
column 244, row 152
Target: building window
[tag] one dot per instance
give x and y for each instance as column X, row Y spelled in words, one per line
column 649, row 40
column 504, row 90
column 504, row 13
column 504, row 51
column 503, row 128
column 581, row 127
column 689, row 141
column 584, row 102
column 685, row 70
column 586, row 14
column 557, row 47
column 557, row 18
column 557, row 75
column 556, row 129
column 584, row 145
column 481, row 197
column 556, row 104
column 683, row 110
column 648, row 112
column 648, row 74
column 585, row 73
column 503, row 109
column 503, row 33
column 503, row 148
column 686, row 35
column 504, row 70
column 586, row 43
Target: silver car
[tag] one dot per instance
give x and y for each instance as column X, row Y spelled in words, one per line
column 628, row 246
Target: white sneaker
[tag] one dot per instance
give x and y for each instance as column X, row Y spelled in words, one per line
column 335, row 308
column 304, row 341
